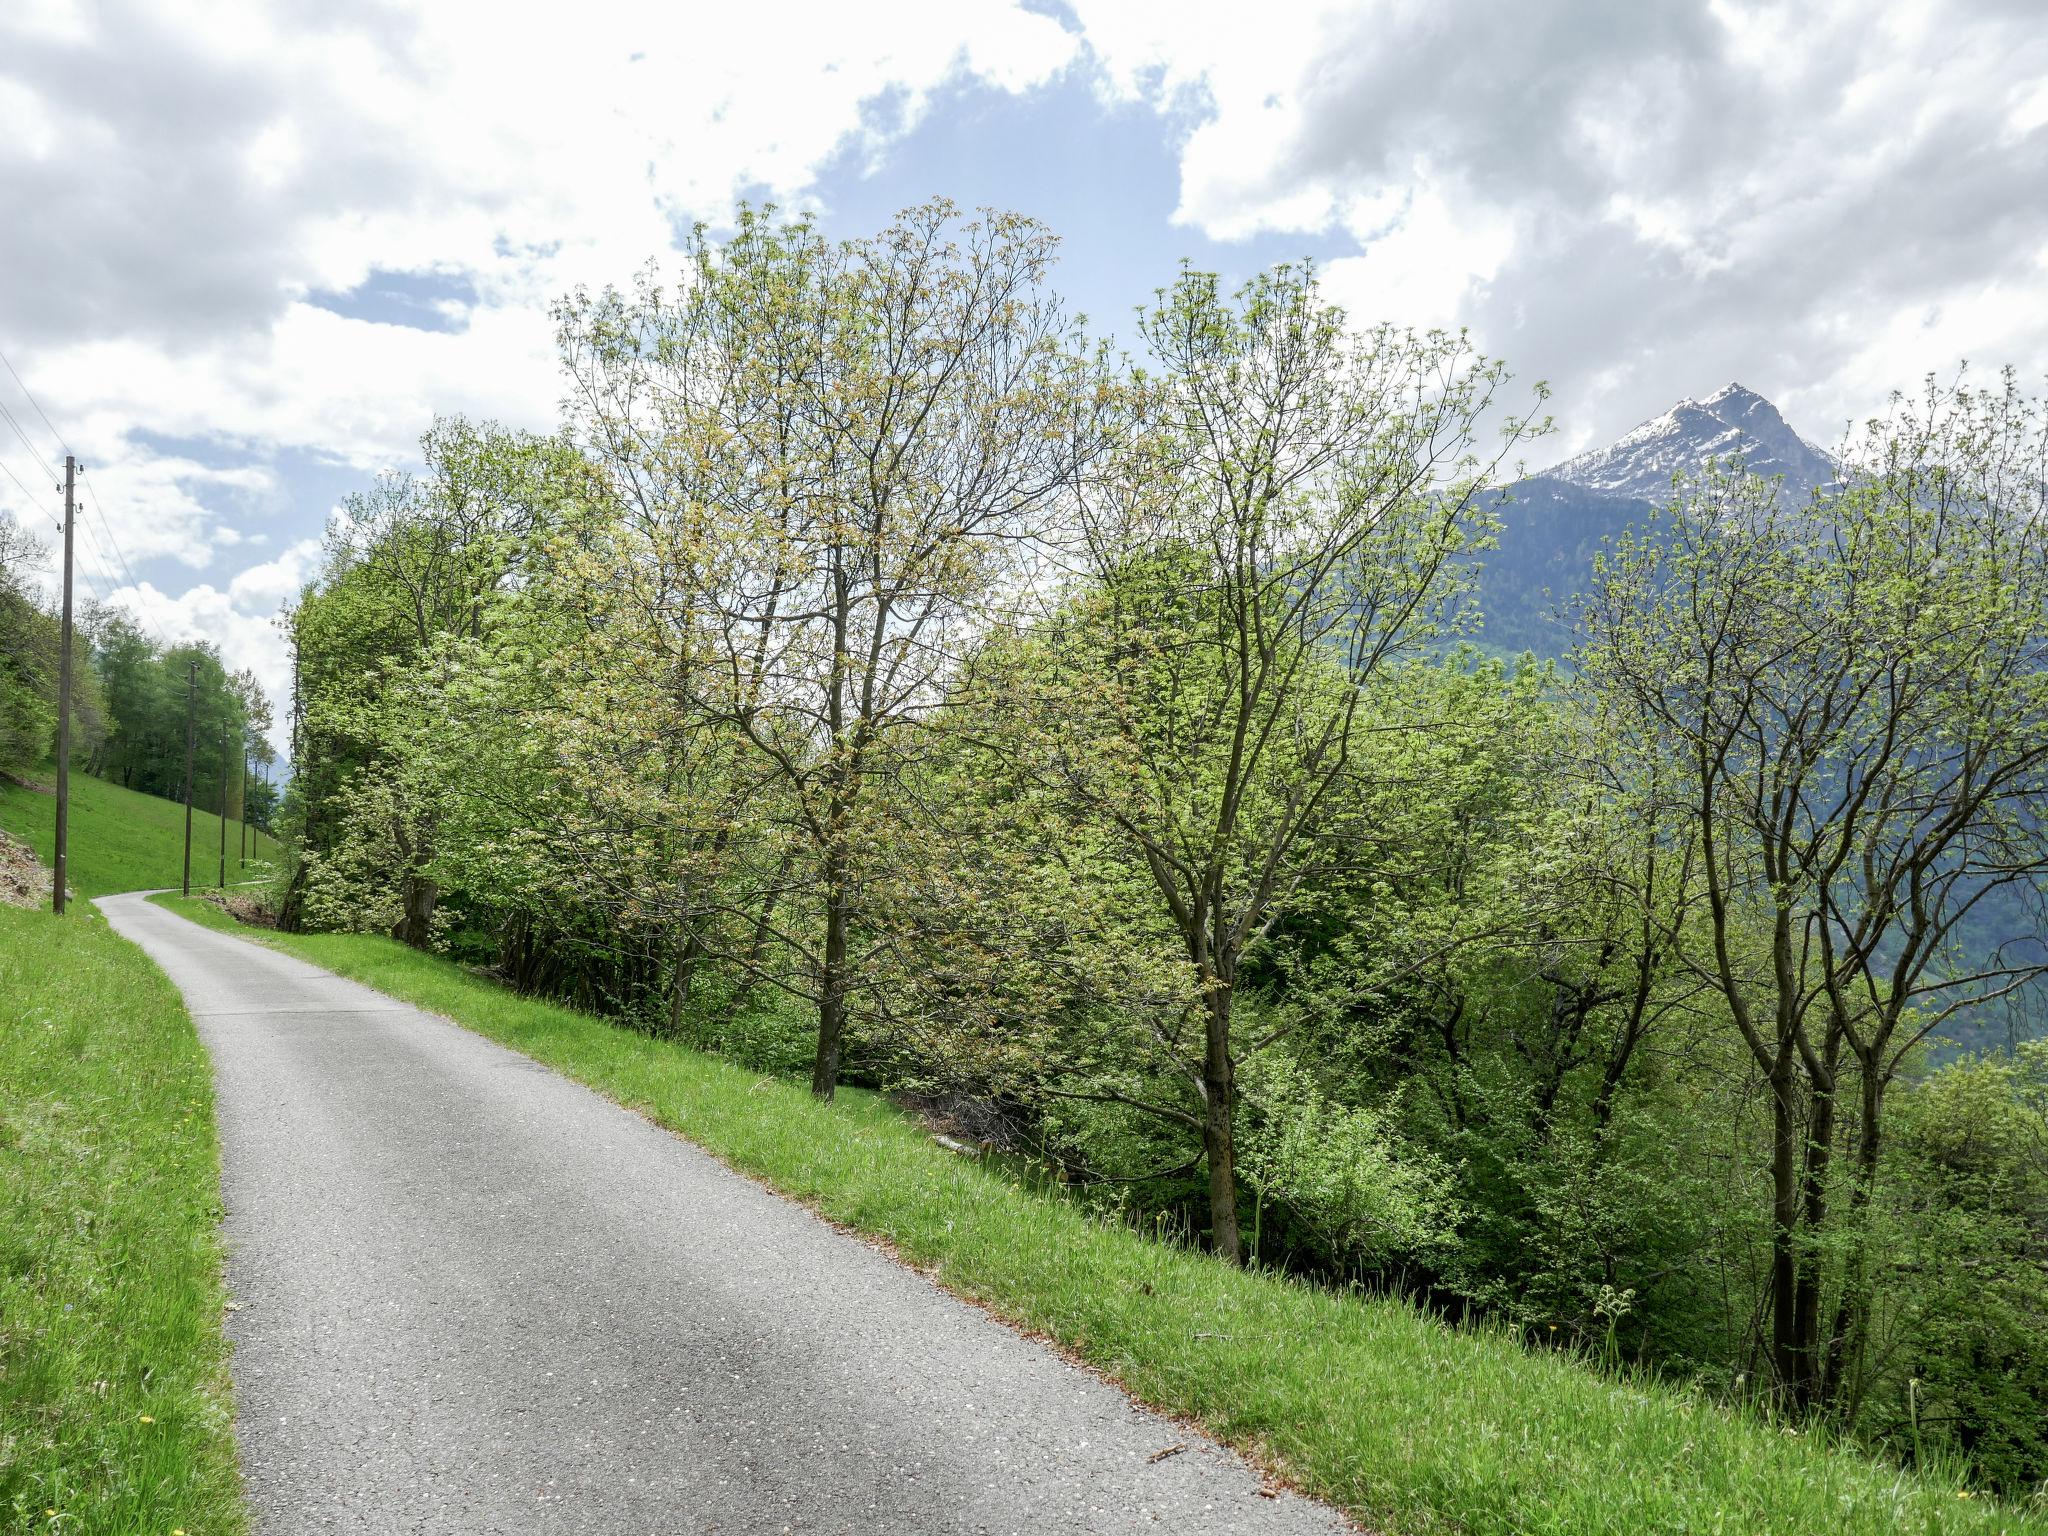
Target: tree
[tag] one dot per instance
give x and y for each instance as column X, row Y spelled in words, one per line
column 1849, row 705
column 139, row 690
column 409, row 563
column 840, row 455
column 28, row 654
column 31, row 640
column 139, row 745
column 586, row 799
column 1280, row 529
column 1521, row 989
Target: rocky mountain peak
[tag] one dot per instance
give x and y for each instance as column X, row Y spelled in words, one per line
column 1733, row 422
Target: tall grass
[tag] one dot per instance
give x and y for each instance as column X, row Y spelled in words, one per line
column 1410, row 1425
column 114, row 1404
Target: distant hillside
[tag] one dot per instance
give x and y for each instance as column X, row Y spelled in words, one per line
column 122, row 840
column 1550, row 532
column 1558, row 519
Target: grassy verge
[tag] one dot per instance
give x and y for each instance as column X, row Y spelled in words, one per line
column 1412, row 1426
column 124, row 841
column 114, row 1404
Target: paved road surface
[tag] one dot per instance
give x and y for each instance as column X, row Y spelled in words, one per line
column 475, row 1297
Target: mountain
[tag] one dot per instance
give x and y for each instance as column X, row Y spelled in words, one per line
column 1558, row 518
column 1556, row 522
column 1734, row 423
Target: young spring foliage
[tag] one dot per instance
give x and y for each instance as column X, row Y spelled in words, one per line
column 878, row 682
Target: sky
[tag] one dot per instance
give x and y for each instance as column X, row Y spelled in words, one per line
column 250, row 248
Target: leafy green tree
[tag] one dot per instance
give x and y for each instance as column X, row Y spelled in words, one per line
column 146, row 732
column 1279, row 528
column 874, row 673
column 146, row 694
column 841, row 455
column 1849, row 707
column 1956, row 1358
column 31, row 640
column 411, row 563
column 28, row 655
column 583, row 784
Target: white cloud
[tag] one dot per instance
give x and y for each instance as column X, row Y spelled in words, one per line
column 247, row 640
column 265, row 587
column 1424, row 257
column 237, row 161
column 1636, row 201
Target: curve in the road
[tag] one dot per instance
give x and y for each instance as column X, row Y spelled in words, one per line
column 476, row 1297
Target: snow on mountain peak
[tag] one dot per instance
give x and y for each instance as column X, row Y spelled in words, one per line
column 1733, row 422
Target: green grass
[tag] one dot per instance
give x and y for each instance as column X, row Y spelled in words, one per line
column 124, row 841
column 115, row 1414
column 1410, row 1425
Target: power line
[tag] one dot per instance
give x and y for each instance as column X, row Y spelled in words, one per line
column 58, row 524
column 109, row 527
column 29, row 443
column 31, row 399
column 92, row 551
column 121, row 556
column 33, row 451
column 55, row 521
column 99, row 554
column 106, row 525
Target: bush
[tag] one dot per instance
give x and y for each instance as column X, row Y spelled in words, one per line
column 1369, row 1201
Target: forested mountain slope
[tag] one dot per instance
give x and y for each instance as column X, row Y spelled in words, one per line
column 1557, row 522
column 1558, row 519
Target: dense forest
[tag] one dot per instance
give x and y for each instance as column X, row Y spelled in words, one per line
column 878, row 679
column 134, row 699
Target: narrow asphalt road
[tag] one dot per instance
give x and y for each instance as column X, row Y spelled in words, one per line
column 476, row 1297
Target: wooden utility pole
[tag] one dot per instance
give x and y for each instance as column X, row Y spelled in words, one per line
column 63, row 852
column 191, row 741
column 242, row 821
column 223, row 881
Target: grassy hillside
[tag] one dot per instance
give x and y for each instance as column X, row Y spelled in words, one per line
column 123, row 841
column 1412, row 1426
column 115, row 1414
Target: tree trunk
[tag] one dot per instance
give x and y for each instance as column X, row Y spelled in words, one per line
column 1842, row 1384
column 757, row 945
column 512, row 948
column 417, row 896
column 1219, row 1086
column 1813, row 1215
column 831, row 979
column 687, row 954
column 1785, row 1147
